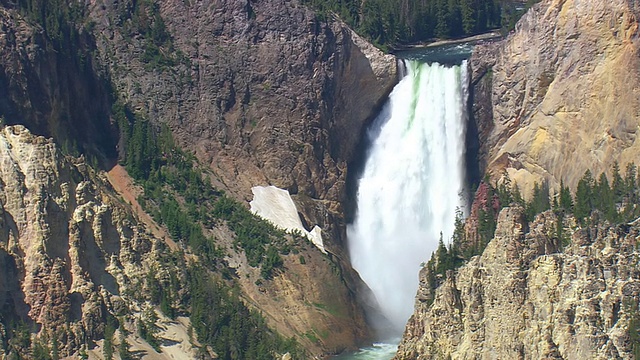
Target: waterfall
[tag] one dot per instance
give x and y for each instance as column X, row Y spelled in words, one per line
column 412, row 183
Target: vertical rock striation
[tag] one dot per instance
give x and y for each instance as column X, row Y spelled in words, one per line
column 266, row 92
column 55, row 92
column 525, row 298
column 71, row 254
column 564, row 95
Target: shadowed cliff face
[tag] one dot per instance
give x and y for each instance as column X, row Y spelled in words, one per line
column 564, row 93
column 54, row 92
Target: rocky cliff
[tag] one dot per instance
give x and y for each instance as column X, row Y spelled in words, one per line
column 265, row 92
column 54, row 91
column 72, row 254
column 559, row 95
column 533, row 295
column 259, row 98
column 76, row 259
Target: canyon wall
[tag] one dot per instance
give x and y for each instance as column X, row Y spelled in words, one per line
column 259, row 98
column 532, row 295
column 563, row 93
column 264, row 92
column 55, row 93
column 558, row 96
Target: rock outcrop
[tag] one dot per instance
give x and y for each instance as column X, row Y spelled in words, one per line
column 71, row 253
column 264, row 93
column 564, row 94
column 558, row 96
column 532, row 295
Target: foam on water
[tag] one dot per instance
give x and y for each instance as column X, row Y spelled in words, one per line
column 412, row 183
column 379, row 351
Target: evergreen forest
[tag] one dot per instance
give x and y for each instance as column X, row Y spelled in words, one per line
column 389, row 23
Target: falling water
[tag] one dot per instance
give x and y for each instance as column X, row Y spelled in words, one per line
column 411, row 185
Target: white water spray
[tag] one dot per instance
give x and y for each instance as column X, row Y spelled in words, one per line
column 412, row 183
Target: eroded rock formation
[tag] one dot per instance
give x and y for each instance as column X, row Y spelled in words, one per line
column 558, row 96
column 532, row 295
column 563, row 90
column 71, row 253
column 261, row 99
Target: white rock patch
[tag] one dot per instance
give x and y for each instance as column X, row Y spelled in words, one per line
column 275, row 205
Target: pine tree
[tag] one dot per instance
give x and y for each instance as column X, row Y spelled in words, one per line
column 123, row 349
column 468, row 16
column 442, row 257
column 566, row 202
column 504, row 191
column 40, row 351
column 630, row 181
column 442, row 19
column 458, row 233
column 584, row 194
column 517, row 195
column 604, row 198
column 617, row 185
column 539, row 200
column 487, row 226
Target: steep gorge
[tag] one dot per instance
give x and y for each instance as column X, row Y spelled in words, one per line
column 264, row 100
column 259, row 100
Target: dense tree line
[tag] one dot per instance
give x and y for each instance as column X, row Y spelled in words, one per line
column 63, row 23
column 615, row 201
column 595, row 200
column 389, row 22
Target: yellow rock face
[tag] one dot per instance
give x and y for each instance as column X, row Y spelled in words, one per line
column 524, row 299
column 565, row 93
